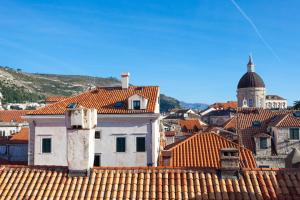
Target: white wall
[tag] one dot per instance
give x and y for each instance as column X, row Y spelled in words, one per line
column 111, row 127
column 56, row 130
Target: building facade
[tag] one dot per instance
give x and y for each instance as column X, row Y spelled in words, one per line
column 126, row 132
column 251, row 91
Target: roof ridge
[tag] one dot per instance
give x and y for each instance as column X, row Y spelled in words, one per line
column 285, row 116
column 67, row 98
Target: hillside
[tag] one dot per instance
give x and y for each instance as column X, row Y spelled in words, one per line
column 17, row 86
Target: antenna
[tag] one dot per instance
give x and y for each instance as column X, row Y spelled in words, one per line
column 238, row 132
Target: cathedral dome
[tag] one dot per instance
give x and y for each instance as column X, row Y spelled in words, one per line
column 251, row 79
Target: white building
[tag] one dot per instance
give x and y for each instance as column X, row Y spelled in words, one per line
column 127, row 132
column 11, row 121
column 276, row 102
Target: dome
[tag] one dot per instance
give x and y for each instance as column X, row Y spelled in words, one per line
column 251, row 79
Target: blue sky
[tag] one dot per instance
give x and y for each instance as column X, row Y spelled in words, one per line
column 196, row 50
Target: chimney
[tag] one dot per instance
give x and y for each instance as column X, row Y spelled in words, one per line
column 166, row 156
column 230, row 162
column 125, row 80
column 80, row 123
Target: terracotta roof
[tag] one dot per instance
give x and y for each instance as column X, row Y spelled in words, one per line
column 203, row 150
column 170, row 133
column 274, row 97
column 104, row 100
column 12, row 115
column 226, row 105
column 21, row 136
column 190, row 124
column 54, row 99
column 146, row 183
column 247, row 116
column 230, row 124
column 286, row 120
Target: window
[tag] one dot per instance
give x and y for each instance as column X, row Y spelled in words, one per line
column 119, row 104
column 97, row 134
column 140, row 144
column 294, row 133
column 136, row 105
column 264, row 166
column 121, row 144
column 250, row 103
column 256, row 124
column 46, row 145
column 97, row 160
column 263, row 143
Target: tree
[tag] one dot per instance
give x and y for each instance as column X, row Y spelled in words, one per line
column 297, row 105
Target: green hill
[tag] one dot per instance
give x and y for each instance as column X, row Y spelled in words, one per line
column 18, row 87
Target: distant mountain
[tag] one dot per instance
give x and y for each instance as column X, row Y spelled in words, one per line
column 18, row 86
column 196, row 106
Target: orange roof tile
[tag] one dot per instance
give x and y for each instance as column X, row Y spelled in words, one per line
column 104, row 100
column 247, row 116
column 285, row 120
column 191, row 124
column 21, row 136
column 203, row 150
column 226, row 105
column 12, row 115
column 20, row 182
column 53, row 99
column 170, row 133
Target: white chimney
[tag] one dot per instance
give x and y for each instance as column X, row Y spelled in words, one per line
column 125, row 80
column 80, row 124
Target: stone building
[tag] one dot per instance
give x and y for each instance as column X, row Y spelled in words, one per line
column 251, row 91
column 270, row 134
column 126, row 134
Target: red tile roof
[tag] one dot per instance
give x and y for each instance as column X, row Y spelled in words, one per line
column 190, row 124
column 21, row 136
column 203, row 150
column 247, row 116
column 226, row 105
column 170, row 133
column 12, row 115
column 54, row 99
column 286, row 120
column 20, row 182
column 104, row 100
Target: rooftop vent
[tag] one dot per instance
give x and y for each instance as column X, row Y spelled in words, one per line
column 230, row 163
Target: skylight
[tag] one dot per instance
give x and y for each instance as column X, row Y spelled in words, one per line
column 256, row 124
column 119, row 104
column 72, row 105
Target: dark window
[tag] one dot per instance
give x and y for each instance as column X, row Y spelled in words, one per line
column 140, row 144
column 264, row 166
column 256, row 124
column 97, row 134
column 136, row 105
column 46, row 145
column 121, row 144
column 119, row 104
column 294, row 133
column 263, row 143
column 97, row 160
